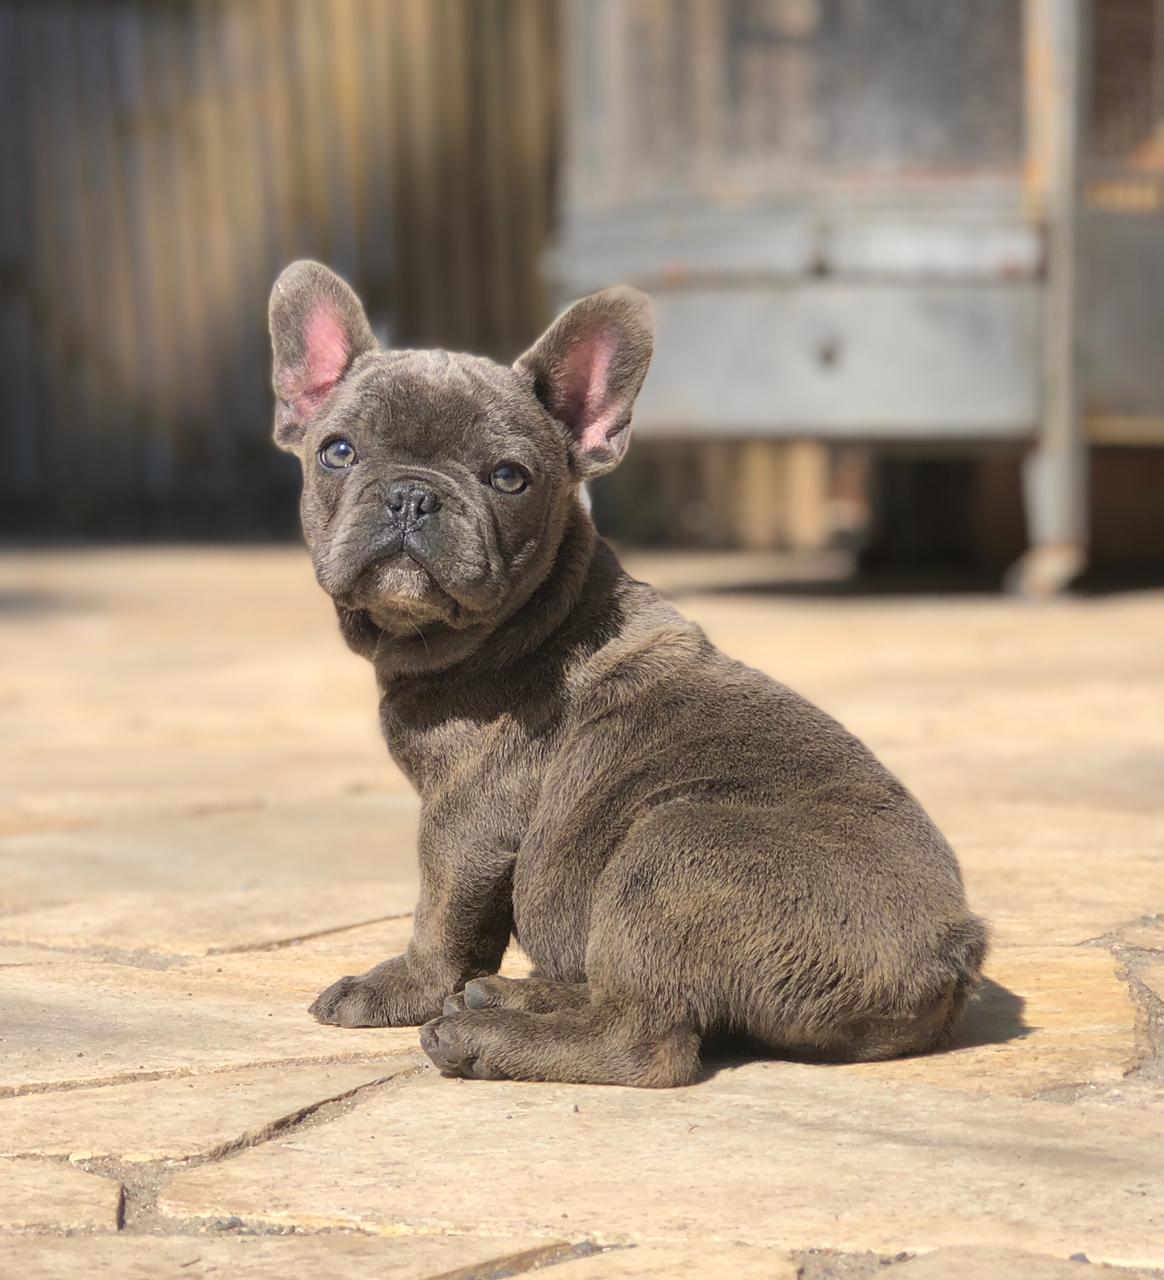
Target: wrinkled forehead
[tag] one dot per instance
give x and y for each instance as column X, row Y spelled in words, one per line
column 441, row 403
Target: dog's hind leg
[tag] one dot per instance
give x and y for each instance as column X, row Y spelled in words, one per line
column 593, row 1043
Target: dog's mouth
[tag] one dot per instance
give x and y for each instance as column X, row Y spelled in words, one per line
column 401, row 591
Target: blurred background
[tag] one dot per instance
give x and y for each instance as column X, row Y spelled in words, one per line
column 906, row 255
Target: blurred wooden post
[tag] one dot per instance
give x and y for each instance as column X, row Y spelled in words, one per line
column 806, row 494
column 780, row 495
column 1058, row 56
column 760, row 497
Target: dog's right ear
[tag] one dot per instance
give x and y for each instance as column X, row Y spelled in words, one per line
column 318, row 328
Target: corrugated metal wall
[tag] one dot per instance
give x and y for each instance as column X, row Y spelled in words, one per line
column 160, row 162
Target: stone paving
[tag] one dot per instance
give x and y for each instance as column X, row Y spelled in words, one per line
column 200, row 828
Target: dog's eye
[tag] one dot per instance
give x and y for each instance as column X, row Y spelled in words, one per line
column 337, row 454
column 508, row 478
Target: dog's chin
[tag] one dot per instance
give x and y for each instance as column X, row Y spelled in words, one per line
column 401, row 595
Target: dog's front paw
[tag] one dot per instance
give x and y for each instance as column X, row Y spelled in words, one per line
column 386, row 996
column 350, row 1002
column 453, row 1047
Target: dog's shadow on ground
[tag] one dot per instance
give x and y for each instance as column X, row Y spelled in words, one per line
column 993, row 1016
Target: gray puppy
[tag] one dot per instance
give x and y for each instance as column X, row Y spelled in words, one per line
column 682, row 846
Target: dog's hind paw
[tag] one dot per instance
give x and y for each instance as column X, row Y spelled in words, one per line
column 450, row 1042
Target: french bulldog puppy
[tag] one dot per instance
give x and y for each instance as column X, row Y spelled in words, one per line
column 682, row 846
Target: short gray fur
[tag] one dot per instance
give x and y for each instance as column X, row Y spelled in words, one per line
column 684, row 847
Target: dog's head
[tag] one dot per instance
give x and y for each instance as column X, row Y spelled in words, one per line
column 436, row 486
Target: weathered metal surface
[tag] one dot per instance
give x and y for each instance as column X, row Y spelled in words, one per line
column 955, row 247
column 1124, row 336
column 669, row 246
column 845, row 361
column 1055, row 473
column 728, row 100
column 826, row 203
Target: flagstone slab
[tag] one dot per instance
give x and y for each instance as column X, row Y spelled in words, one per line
column 972, row 671
column 1034, row 895
column 1145, row 936
column 39, row 1194
column 293, row 976
column 1036, row 826
column 55, row 784
column 1010, row 765
column 1002, row 1264
column 196, row 924
column 328, row 1257
column 10, row 956
column 782, row 1155
column 233, row 685
column 89, row 1023
column 228, row 846
column 1141, row 1093
column 696, row 1261
column 1153, row 979
column 174, row 1119
column 1045, row 1017
column 301, row 971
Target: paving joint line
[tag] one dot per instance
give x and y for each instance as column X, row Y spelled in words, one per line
column 142, row 1182
column 539, row 1258
column 360, row 1058
column 282, row 943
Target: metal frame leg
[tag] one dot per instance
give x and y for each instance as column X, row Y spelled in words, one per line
column 1055, row 482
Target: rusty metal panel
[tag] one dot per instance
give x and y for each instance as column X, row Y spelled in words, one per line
column 736, row 100
column 1123, row 227
column 1124, row 336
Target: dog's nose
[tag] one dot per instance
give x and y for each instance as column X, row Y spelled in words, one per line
column 409, row 502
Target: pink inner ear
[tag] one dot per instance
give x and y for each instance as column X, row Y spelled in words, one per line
column 325, row 357
column 588, row 376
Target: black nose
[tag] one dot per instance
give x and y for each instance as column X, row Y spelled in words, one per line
column 410, row 502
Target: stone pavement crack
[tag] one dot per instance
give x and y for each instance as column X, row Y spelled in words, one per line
column 514, row 1264
column 182, row 1073
column 142, row 1182
column 280, row 943
column 139, row 958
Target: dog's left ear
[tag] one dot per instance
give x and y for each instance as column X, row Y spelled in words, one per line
column 318, row 328
column 587, row 368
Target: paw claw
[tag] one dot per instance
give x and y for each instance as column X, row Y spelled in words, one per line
column 328, row 1006
column 476, row 995
column 386, row 996
column 448, row 1041
column 442, row 1048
